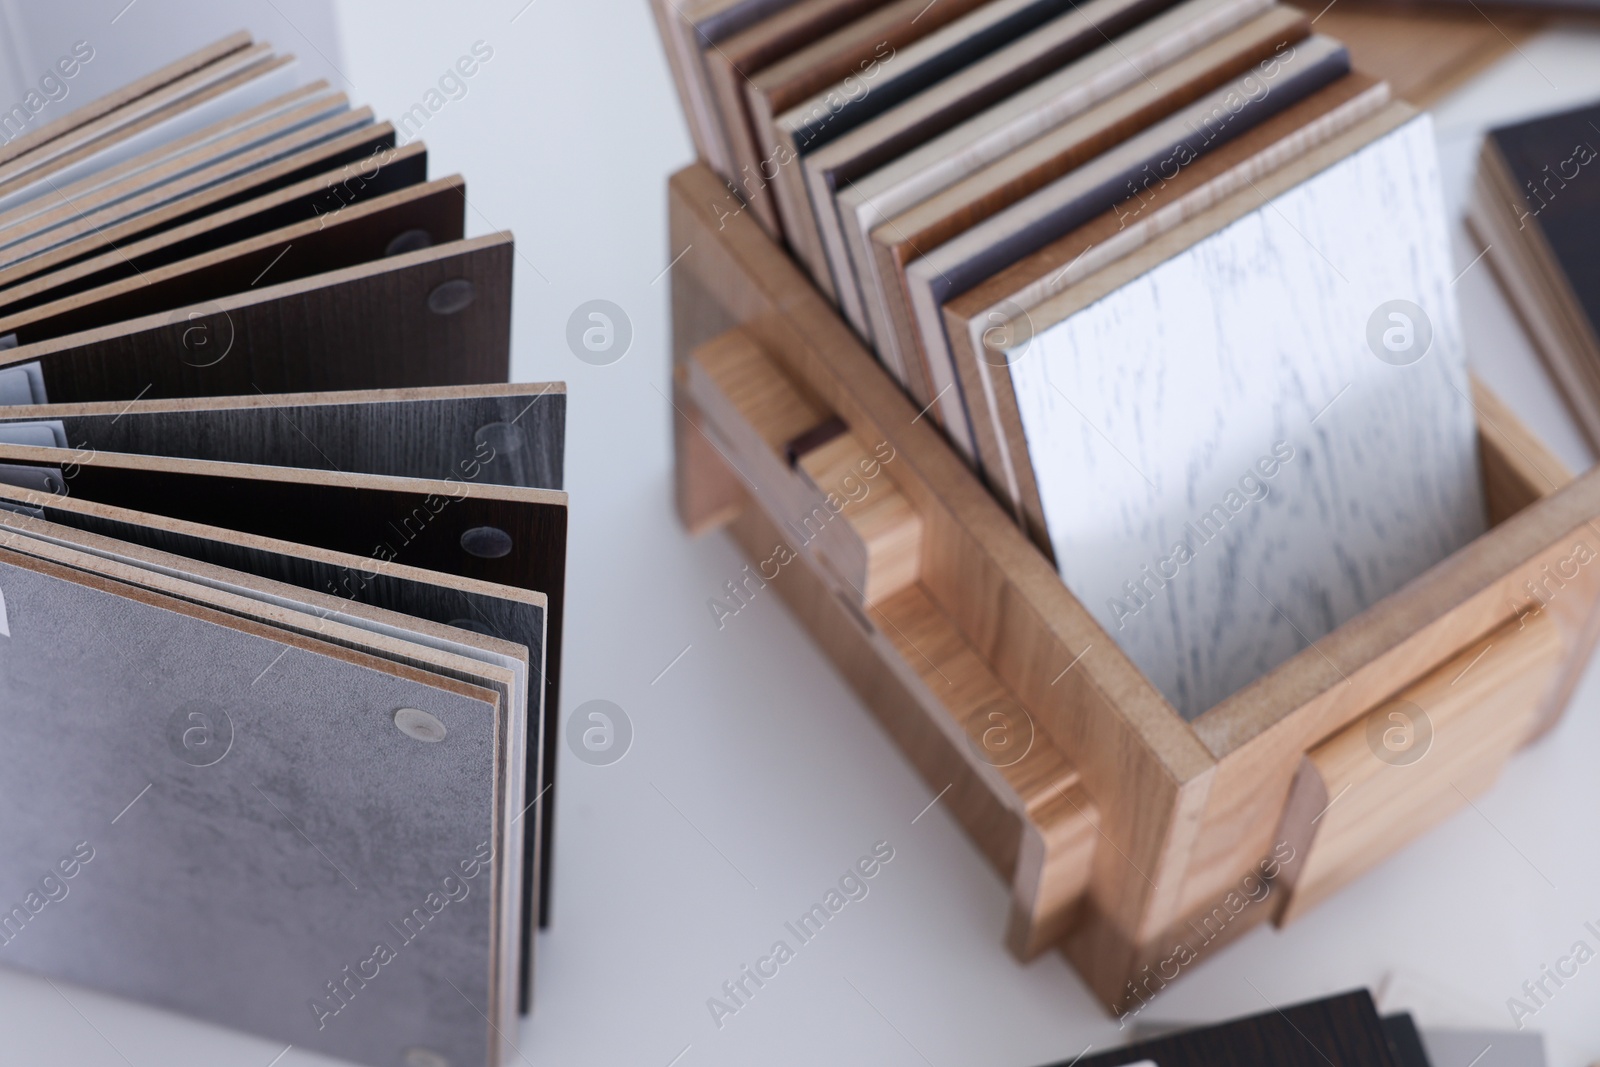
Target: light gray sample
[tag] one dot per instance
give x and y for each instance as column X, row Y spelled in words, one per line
column 239, row 888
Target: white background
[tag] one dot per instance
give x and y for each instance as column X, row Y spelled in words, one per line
column 755, row 776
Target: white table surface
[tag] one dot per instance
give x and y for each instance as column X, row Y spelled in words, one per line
column 755, row 776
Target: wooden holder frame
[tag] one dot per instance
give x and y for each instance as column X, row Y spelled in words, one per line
column 1134, row 841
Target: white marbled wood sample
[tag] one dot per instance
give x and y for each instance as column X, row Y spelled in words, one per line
column 1181, row 392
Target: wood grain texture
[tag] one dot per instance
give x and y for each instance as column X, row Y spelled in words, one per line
column 986, row 189
column 937, row 83
column 358, row 328
column 423, row 215
column 878, row 549
column 1014, row 326
column 1095, row 187
column 1218, row 452
column 686, row 26
column 127, row 201
column 321, row 195
column 1421, row 756
column 890, row 529
column 416, row 522
column 503, row 435
column 1090, row 84
column 250, row 113
column 343, row 583
column 175, row 652
column 779, row 85
column 1005, row 782
column 729, row 64
column 980, row 572
column 783, row 83
column 495, row 666
column 976, row 322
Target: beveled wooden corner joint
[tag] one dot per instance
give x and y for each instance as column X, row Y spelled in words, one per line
column 1133, row 840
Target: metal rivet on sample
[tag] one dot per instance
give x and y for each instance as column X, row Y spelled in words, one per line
column 409, row 241
column 503, row 437
column 451, row 296
column 419, row 725
column 416, row 1056
column 486, row 542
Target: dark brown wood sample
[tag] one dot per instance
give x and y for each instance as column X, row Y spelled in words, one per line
column 441, row 316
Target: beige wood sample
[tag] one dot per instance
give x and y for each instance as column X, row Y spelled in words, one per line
column 119, row 98
column 320, row 195
column 1185, row 811
column 139, row 114
column 729, row 64
column 676, row 21
column 369, row 141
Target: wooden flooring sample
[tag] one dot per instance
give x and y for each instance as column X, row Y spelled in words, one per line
column 1080, row 195
column 919, row 174
column 1227, row 468
column 976, row 317
column 889, row 76
column 240, row 890
column 439, row 316
column 496, row 434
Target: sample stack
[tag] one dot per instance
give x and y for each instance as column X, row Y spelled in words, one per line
column 1536, row 205
column 1087, row 378
column 1170, row 276
column 281, row 571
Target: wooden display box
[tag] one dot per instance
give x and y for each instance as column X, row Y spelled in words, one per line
column 1134, row 841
